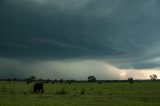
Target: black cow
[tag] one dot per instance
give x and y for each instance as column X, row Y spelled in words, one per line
column 38, row 87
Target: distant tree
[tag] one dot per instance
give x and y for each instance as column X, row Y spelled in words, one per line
column 153, row 77
column 8, row 79
column 91, row 79
column 47, row 81
column 130, row 79
column 61, row 80
column 28, row 81
column 32, row 78
column 69, row 81
column 99, row 82
column 52, row 82
column 55, row 80
column 72, row 80
column 14, row 79
column 25, row 79
column 40, row 80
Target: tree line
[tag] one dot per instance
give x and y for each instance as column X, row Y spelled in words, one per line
column 32, row 78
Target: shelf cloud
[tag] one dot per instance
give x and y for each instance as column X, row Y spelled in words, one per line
column 71, row 38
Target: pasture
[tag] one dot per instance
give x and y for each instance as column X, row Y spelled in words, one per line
column 81, row 94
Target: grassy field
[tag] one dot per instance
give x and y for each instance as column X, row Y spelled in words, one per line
column 81, row 94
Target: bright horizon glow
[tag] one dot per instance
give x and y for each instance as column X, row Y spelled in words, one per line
column 139, row 73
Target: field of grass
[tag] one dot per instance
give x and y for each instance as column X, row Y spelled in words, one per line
column 81, row 94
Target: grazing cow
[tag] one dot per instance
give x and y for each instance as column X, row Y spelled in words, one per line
column 38, row 87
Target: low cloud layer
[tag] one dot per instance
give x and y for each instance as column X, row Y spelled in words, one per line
column 107, row 33
column 71, row 69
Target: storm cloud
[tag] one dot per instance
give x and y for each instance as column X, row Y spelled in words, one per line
column 121, row 35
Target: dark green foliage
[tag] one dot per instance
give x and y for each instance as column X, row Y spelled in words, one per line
column 83, row 91
column 110, row 94
column 53, row 82
column 153, row 77
column 9, row 80
column 28, row 81
column 69, row 82
column 91, row 79
column 92, row 89
column 47, row 81
column 61, row 92
column 100, row 92
column 31, row 79
column 99, row 82
column 3, row 89
column 14, row 79
column 11, row 91
column 130, row 79
column 74, row 89
column 61, row 80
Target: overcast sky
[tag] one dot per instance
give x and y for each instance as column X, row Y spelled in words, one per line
column 72, row 39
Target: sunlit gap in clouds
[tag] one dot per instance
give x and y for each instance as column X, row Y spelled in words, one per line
column 139, row 73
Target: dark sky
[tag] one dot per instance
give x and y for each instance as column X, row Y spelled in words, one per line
column 77, row 38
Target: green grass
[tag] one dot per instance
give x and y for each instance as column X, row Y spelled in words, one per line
column 81, row 94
